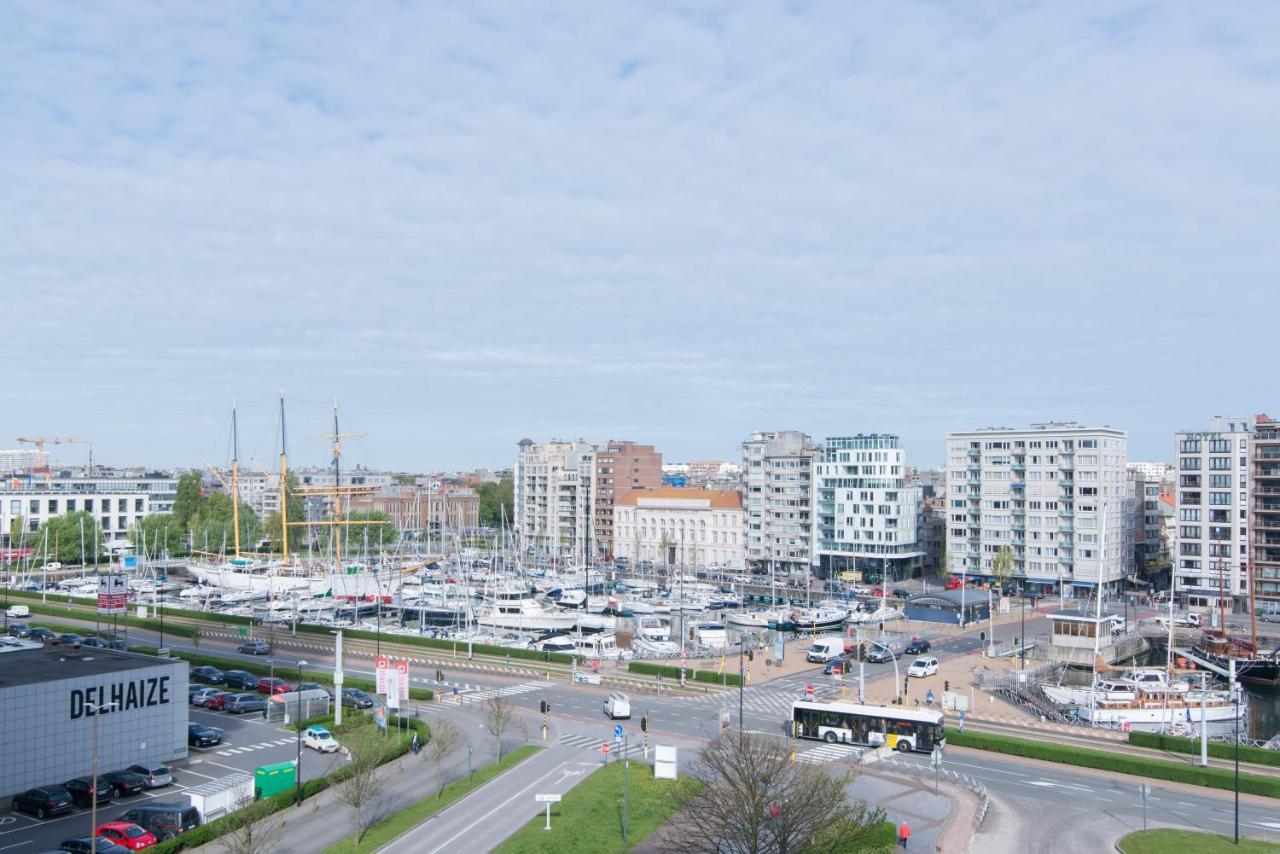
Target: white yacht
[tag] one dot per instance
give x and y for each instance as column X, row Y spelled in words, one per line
column 711, row 635
column 602, row 646
column 517, row 610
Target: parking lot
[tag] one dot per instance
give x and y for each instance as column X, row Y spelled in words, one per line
column 248, row 742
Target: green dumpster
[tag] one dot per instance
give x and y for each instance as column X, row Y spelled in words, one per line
column 270, row 780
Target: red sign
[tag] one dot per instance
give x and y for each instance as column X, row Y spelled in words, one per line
column 403, row 667
column 380, row 674
column 808, row 690
column 604, row 748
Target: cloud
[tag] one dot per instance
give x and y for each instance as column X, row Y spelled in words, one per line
column 652, row 219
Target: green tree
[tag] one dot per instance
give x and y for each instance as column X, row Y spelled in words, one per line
column 1002, row 566
column 296, row 513
column 64, row 538
column 16, row 525
column 159, row 534
column 213, row 528
column 497, row 502
column 189, row 500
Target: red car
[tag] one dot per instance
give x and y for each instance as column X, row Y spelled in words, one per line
column 877, row 592
column 267, row 685
column 218, row 701
column 127, row 834
column 954, row 583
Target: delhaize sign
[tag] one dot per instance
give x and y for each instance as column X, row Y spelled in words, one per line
column 113, row 594
column 380, row 674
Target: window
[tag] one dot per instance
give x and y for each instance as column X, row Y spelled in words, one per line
column 1189, row 446
column 1189, row 463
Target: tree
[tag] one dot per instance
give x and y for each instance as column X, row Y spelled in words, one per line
column 296, row 511
column 497, row 502
column 499, row 714
column 16, row 526
column 213, row 525
column 445, row 739
column 189, row 500
column 361, row 787
column 755, row 800
column 158, row 534
column 251, row 829
column 64, row 537
column 1002, row 565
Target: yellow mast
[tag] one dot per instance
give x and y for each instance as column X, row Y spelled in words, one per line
column 338, row 490
column 284, row 497
column 235, row 479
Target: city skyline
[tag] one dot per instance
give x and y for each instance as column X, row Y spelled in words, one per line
column 678, row 226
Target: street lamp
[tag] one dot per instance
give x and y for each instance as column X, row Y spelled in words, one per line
column 97, row 710
column 892, row 658
column 297, row 777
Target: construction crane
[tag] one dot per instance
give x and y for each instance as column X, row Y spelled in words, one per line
column 42, row 457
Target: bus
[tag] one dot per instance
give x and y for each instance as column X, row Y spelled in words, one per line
column 900, row 728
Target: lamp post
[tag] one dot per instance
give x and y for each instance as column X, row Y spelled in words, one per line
column 1022, row 650
column 894, row 659
column 297, row 777
column 93, row 791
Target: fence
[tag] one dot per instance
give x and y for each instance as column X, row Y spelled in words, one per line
column 973, row 785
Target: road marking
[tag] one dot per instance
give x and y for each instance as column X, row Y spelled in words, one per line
column 498, row 808
column 15, row 845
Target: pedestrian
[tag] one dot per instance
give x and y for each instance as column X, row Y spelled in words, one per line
column 928, row 699
column 416, row 745
column 962, row 720
column 904, row 833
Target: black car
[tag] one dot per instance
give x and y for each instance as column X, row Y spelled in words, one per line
column 19, row 630
column 208, row 675
column 256, row 646
column 122, row 645
column 845, row 663
column 40, row 633
column 242, row 679
column 70, row 638
column 917, row 646
column 90, row 845
column 314, row 686
column 165, row 820
column 123, row 783
column 43, row 801
column 96, row 642
column 901, row 593
column 81, row 791
column 199, row 735
column 354, row 698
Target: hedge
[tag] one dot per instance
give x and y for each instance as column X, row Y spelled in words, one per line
column 259, row 669
column 1159, row 769
column 70, row 613
column 1178, row 744
column 440, row 643
column 666, row 671
column 91, row 604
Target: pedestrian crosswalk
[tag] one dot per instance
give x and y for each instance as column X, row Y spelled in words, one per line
column 829, row 753
column 768, row 701
column 593, row 742
column 248, row 748
column 505, row 691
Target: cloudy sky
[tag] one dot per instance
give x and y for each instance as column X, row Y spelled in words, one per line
column 672, row 222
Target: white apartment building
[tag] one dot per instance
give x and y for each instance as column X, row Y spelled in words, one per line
column 15, row 460
column 1211, row 545
column 116, row 512
column 553, row 502
column 1042, row 493
column 865, row 515
column 1154, row 471
column 673, row 526
column 777, row 478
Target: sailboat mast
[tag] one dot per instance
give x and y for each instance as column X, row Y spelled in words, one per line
column 284, row 498
column 337, row 495
column 235, row 479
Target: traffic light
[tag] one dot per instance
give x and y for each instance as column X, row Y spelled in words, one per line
column 544, row 706
column 982, row 636
column 946, row 685
column 751, row 655
column 644, row 723
column 439, row 675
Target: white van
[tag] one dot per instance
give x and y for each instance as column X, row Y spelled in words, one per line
column 16, row 611
column 618, row 705
column 825, row 649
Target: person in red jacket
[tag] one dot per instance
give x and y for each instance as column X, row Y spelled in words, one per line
column 904, row 833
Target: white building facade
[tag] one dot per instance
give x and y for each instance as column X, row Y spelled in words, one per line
column 1042, row 493
column 865, row 514
column 673, row 526
column 116, row 512
column 1211, row 545
column 553, row 501
column 777, row 482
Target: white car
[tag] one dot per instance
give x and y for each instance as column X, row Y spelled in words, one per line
column 925, row 665
column 319, row 738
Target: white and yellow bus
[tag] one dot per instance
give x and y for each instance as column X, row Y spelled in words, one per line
column 897, row 727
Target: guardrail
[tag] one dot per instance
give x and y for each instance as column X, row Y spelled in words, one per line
column 973, row 785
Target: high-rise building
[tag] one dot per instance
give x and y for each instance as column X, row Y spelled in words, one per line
column 1036, row 498
column 865, row 514
column 553, row 506
column 620, row 466
column 1264, row 510
column 1212, row 538
column 777, row 478
column 1149, row 553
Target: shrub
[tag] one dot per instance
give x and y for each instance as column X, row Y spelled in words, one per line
column 666, row 671
column 1178, row 744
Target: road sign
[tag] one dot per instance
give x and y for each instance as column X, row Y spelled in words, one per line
column 604, row 748
column 617, row 732
column 935, row 758
column 808, row 691
column 1144, row 790
column 547, row 799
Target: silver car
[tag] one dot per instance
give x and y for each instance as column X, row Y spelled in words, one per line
column 153, row 776
column 203, row 695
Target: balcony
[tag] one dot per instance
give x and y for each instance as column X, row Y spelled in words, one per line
column 975, row 465
column 1019, row 466
column 1019, row 541
column 1017, row 485
column 1066, row 482
column 1018, row 511
column 1066, row 526
column 1067, row 511
column 975, row 481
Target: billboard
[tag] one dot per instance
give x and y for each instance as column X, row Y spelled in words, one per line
column 113, row 594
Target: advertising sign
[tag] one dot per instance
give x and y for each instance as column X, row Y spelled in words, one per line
column 393, row 679
column 380, row 674
column 113, row 594
column 402, row 669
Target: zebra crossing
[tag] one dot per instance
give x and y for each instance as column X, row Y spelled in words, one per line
column 232, row 751
column 829, row 753
column 592, row 742
column 768, row 701
column 505, row 691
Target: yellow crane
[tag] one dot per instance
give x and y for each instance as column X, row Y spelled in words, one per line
column 42, row 456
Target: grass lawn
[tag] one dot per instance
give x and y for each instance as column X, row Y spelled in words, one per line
column 1186, row 841
column 589, row 819
column 387, row 829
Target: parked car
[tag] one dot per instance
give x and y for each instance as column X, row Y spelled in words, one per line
column 94, row 641
column 127, row 834
column 208, row 675
column 900, row 593
column 164, row 820
column 218, row 702
column 314, row 686
column 81, row 791
column 254, row 646
column 1270, row 617
column 43, row 801
column 122, row 645
column 923, row 666
column 268, row 685
column 241, row 679
column 879, row 655
column 70, row 638
column 202, row 695
column 199, row 735
column 319, row 738
column 154, row 776
column 917, row 647
column 123, row 783
column 354, row 698
column 40, row 633
column 238, row 704
column 22, row 630
column 91, row 845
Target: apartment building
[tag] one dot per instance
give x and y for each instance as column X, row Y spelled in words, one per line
column 1264, row 511
column 116, row 512
column 552, row 493
column 421, row 510
column 674, row 527
column 1212, row 501
column 777, row 478
column 1041, row 493
column 866, row 516
column 1150, row 555
column 18, row 460
column 619, row 467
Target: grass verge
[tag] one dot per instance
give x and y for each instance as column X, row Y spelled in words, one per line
column 1156, row 769
column 589, row 819
column 388, row 829
column 1166, row 841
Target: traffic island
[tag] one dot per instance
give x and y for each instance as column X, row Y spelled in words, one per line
column 1168, row 841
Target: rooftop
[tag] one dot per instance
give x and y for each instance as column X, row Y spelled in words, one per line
column 723, row 498
column 30, row 666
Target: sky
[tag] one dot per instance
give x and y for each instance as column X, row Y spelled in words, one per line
column 677, row 223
